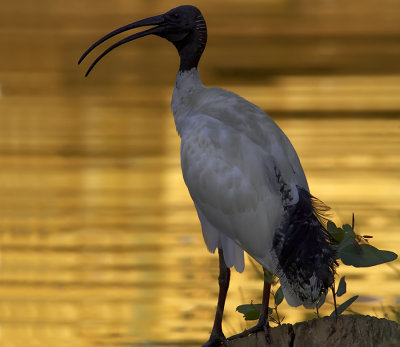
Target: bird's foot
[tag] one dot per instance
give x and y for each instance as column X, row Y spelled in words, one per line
column 217, row 340
column 261, row 326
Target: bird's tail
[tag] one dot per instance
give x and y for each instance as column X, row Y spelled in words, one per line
column 305, row 252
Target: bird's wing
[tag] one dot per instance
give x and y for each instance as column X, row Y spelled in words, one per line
column 235, row 181
column 235, row 113
column 230, row 184
column 240, row 169
column 233, row 253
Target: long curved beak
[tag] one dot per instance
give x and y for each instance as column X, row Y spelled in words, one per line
column 156, row 20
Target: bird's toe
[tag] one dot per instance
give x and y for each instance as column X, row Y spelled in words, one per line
column 261, row 326
column 217, row 340
column 266, row 334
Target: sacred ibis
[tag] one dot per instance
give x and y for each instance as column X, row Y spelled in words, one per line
column 243, row 174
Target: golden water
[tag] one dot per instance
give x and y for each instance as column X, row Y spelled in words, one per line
column 100, row 244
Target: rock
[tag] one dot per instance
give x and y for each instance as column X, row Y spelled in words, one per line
column 348, row 330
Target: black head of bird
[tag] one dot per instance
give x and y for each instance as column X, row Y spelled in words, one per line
column 184, row 26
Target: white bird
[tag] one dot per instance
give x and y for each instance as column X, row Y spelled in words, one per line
column 244, row 177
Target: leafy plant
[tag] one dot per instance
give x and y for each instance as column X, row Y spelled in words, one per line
column 341, row 308
column 340, row 291
column 252, row 311
column 355, row 250
column 352, row 249
column 278, row 298
column 341, row 287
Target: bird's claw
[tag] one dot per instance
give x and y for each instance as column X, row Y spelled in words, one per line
column 217, row 341
column 260, row 326
column 266, row 334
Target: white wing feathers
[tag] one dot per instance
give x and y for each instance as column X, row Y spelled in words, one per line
column 233, row 254
column 233, row 160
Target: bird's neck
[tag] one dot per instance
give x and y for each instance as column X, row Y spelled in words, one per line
column 189, row 58
column 191, row 48
column 185, row 96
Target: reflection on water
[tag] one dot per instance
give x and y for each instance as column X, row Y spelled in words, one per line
column 100, row 244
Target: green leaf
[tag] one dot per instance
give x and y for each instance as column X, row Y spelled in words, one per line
column 278, row 296
column 364, row 255
column 349, row 237
column 346, row 244
column 321, row 300
column 251, row 311
column 341, row 287
column 348, row 230
column 330, row 226
column 341, row 308
column 336, row 233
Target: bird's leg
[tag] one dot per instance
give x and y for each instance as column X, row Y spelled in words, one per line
column 217, row 337
column 263, row 320
column 334, row 299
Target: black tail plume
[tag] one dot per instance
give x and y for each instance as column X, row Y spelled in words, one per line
column 305, row 251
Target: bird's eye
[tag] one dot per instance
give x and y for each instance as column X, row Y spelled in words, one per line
column 176, row 15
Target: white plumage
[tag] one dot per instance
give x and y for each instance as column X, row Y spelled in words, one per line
column 230, row 150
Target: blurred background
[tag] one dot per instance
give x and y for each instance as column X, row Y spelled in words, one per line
column 100, row 243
